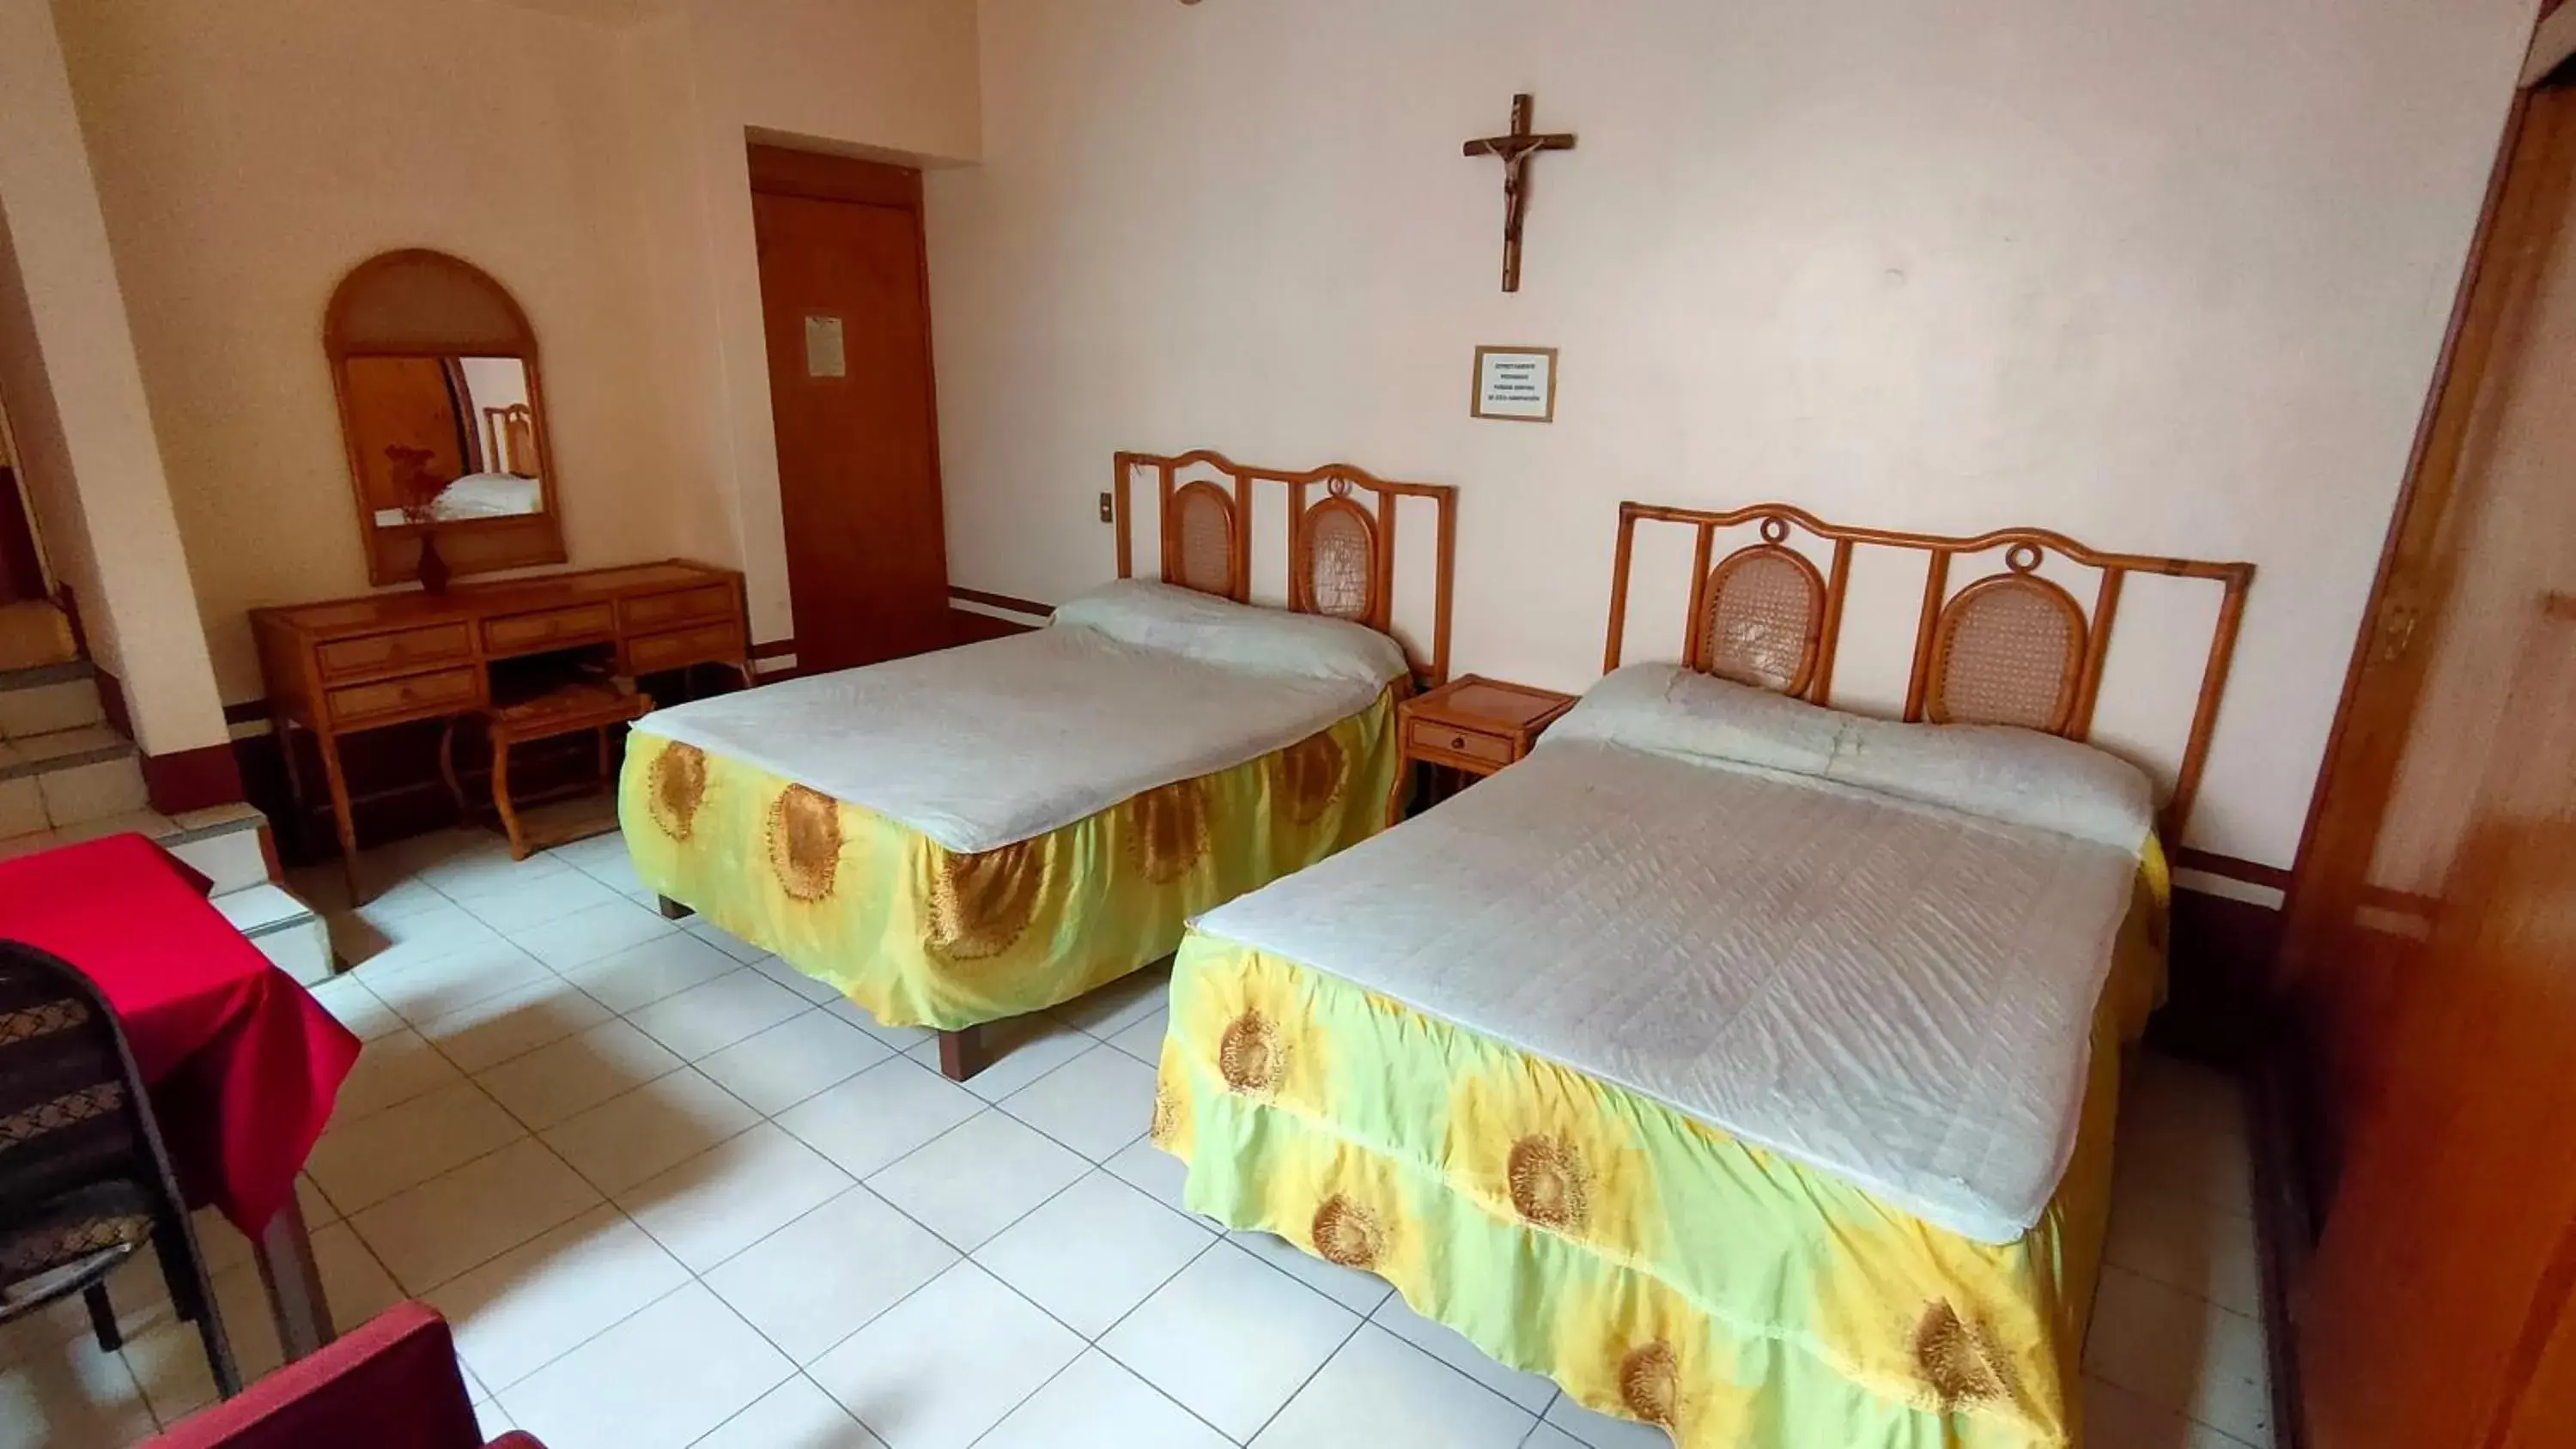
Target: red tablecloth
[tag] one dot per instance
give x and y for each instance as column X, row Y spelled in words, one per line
column 242, row 1063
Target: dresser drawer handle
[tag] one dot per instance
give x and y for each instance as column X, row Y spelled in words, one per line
column 1457, row 742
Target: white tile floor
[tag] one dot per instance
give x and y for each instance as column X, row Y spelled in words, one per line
column 671, row 1193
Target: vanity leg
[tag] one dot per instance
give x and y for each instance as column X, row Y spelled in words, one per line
column 342, row 817
column 501, row 798
column 447, row 768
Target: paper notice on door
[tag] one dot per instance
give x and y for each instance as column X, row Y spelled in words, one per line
column 824, row 354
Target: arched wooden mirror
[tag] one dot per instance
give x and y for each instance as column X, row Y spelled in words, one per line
column 436, row 370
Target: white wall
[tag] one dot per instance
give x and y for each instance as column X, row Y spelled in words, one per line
column 2168, row 278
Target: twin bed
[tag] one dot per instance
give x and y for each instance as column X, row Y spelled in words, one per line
column 980, row 833
column 1745, row 1066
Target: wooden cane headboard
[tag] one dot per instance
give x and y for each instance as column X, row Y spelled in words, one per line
column 1341, row 552
column 2011, row 647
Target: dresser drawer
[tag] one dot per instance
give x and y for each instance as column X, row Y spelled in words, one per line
column 378, row 652
column 1431, row 738
column 439, row 692
column 660, row 611
column 551, row 629
column 705, row 644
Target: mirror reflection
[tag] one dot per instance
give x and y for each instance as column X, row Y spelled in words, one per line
column 441, row 439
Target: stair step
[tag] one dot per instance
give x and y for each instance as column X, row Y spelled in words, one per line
column 285, row 929
column 37, row 676
column 222, row 844
column 35, row 633
column 65, row 749
column 52, row 697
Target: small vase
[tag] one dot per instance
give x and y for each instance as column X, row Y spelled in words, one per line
column 433, row 569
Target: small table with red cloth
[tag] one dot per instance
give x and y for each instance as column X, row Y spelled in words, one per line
column 242, row 1064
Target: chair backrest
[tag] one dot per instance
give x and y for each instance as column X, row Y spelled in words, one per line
column 390, row 1384
column 72, row 1110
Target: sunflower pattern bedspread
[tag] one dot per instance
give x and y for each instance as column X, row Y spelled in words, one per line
column 1657, row 1268
column 923, row 936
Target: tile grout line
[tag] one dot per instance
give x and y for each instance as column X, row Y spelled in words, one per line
column 1090, row 1165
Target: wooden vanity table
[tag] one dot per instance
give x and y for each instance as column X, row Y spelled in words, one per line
column 349, row 665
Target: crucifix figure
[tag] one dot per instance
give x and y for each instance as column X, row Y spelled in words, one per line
column 1516, row 149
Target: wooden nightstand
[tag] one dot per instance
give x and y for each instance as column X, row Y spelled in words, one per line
column 1474, row 725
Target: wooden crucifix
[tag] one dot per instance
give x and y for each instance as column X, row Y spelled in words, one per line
column 1516, row 149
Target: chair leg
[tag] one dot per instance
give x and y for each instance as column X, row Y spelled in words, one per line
column 219, row 1355
column 102, row 1318
column 192, row 1297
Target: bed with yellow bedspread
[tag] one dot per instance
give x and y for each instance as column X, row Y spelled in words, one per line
column 924, row 936
column 982, row 832
column 1659, row 1267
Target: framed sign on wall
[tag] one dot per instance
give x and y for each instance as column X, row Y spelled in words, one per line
column 1517, row 384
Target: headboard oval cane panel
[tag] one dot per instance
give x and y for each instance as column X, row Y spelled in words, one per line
column 1340, row 549
column 1201, row 546
column 2010, row 648
column 1760, row 614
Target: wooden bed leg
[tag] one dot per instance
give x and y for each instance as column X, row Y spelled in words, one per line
column 963, row 1053
column 671, row 910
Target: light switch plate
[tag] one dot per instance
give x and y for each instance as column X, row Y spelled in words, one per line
column 1106, row 513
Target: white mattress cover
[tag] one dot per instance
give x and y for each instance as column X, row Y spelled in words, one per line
column 981, row 746
column 1895, row 993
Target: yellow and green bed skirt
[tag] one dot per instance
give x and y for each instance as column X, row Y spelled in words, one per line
column 1659, row 1269
column 924, row 936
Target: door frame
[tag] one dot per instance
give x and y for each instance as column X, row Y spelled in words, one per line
column 827, row 176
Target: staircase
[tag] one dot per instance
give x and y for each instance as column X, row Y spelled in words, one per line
column 66, row 775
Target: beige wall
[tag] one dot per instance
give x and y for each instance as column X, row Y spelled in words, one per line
column 588, row 155
column 68, row 368
column 2170, row 278
column 248, row 156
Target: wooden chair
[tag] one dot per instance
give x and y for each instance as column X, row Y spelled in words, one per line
column 84, row 1182
column 393, row 1384
column 593, row 705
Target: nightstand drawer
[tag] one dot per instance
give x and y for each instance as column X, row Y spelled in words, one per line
column 441, row 692
column 1429, row 737
column 550, row 629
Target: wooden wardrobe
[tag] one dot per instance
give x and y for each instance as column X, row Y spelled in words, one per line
column 2429, row 964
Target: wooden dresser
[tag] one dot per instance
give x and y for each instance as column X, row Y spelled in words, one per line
column 348, row 665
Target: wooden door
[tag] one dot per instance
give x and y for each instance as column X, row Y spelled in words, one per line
column 845, row 297
column 2432, row 935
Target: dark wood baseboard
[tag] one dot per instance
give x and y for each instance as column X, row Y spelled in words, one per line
column 2252, row 872
column 972, row 628
column 197, row 779
column 990, row 600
